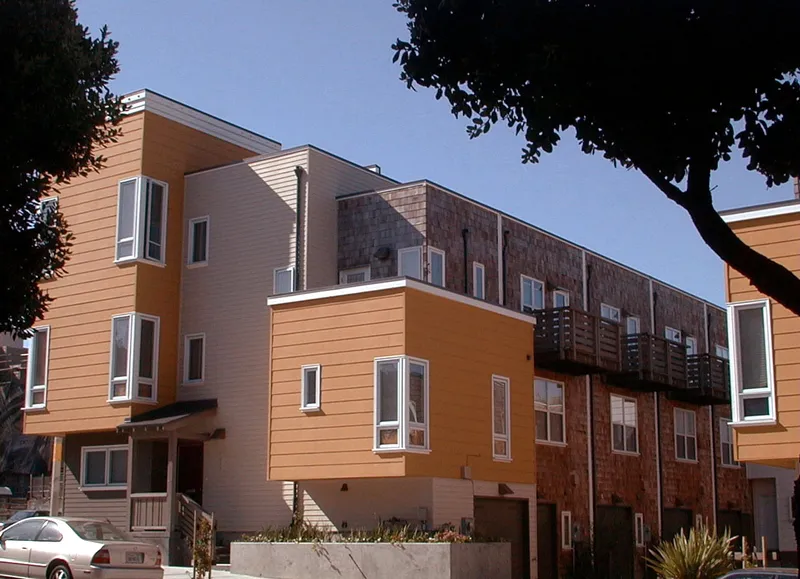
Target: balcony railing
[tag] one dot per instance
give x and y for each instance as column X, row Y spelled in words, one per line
column 575, row 342
column 708, row 380
column 651, row 364
column 149, row 511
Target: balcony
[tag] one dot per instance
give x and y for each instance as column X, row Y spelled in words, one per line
column 708, row 381
column 651, row 364
column 576, row 343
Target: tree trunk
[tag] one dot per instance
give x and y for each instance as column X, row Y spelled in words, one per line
column 769, row 277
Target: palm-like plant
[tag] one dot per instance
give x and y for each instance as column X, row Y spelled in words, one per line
column 701, row 555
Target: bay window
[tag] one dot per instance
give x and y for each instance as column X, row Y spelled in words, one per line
column 401, row 404
column 141, row 220
column 134, row 358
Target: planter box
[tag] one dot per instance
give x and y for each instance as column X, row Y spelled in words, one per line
column 372, row 560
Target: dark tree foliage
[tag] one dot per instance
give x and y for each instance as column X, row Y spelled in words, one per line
column 57, row 109
column 671, row 88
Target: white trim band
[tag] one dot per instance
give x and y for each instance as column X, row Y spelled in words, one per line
column 748, row 213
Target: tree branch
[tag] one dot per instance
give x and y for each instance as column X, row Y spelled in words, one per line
column 668, row 188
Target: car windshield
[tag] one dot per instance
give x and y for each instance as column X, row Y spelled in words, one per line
column 97, row 531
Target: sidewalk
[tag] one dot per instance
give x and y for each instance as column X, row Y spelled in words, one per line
column 186, row 573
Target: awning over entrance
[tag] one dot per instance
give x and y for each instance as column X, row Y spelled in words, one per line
column 170, row 417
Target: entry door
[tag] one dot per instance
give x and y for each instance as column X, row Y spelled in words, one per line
column 765, row 506
column 506, row 519
column 190, row 470
column 614, row 542
column 675, row 521
column 546, row 541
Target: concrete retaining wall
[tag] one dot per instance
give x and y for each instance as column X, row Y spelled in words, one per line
column 372, row 560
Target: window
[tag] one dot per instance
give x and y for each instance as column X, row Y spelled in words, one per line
column 685, row 435
column 566, row 530
column 478, row 280
column 501, row 418
column 104, row 467
column 47, row 207
column 721, row 352
column 283, row 280
column 639, row 529
column 753, row 386
column 624, row 435
column 194, row 358
column 355, row 275
column 38, row 361
column 134, row 357
column 141, row 220
column 672, row 334
column 726, row 443
column 23, row 531
column 532, row 294
column 198, row 241
column 560, row 299
column 610, row 313
column 311, row 378
column 691, row 346
column 409, row 262
column 549, row 406
column 436, row 266
column 401, row 404
column 633, row 325
column 50, row 533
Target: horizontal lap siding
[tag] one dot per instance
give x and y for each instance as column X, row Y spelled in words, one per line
column 465, row 346
column 92, row 291
column 777, row 238
column 336, row 442
column 251, row 232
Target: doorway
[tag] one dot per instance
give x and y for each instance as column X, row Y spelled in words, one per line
column 614, row 542
column 190, row 470
column 506, row 519
column 546, row 541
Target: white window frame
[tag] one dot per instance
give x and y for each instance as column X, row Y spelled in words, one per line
column 478, row 290
column 403, row 423
column 673, row 335
column 566, row 530
column 187, row 340
column 30, row 387
column 190, row 254
column 139, row 239
column 606, row 309
column 404, row 253
column 546, row 408
column 431, row 252
column 562, row 293
column 639, row 529
column 726, row 429
column 636, row 425
column 134, row 354
column 636, row 321
column 688, row 437
column 106, row 485
column 691, row 345
column 737, row 395
column 507, row 436
column 535, row 283
column 317, row 404
column 722, row 352
column 365, row 269
column 276, row 271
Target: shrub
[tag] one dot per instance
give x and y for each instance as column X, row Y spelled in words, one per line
column 303, row 532
column 703, row 555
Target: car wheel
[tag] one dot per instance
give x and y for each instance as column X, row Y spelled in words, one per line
column 60, row 571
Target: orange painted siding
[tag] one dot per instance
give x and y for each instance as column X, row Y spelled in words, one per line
column 778, row 238
column 464, row 345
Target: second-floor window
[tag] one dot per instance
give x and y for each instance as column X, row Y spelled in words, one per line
column 194, row 358
column 134, row 357
column 401, row 404
column 198, row 242
column 672, row 335
column 633, row 325
column 691, row 346
column 283, row 280
column 685, row 435
column 560, row 299
column 721, row 352
column 750, row 330
column 501, row 418
column 726, row 443
column 141, row 220
column 355, row 275
column 624, row 425
column 311, row 376
column 549, row 406
column 478, row 280
column 38, row 361
column 409, row 262
column 436, row 263
column 532, row 291
column 610, row 313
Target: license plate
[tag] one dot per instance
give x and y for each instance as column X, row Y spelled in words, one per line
column 134, row 558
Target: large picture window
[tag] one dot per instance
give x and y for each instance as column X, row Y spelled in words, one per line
column 401, row 404
column 141, row 220
column 134, row 358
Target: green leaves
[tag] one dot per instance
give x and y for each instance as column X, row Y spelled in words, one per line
column 701, row 555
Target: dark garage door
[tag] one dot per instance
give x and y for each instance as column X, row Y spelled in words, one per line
column 506, row 519
column 546, row 537
column 614, row 540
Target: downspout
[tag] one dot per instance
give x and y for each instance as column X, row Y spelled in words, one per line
column 465, row 235
column 713, row 427
column 505, row 266
column 298, row 171
column 660, row 479
column 590, row 406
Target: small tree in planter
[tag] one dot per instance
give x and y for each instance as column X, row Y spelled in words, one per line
column 202, row 559
column 701, row 555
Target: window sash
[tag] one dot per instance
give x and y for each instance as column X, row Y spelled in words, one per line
column 639, row 529
column 404, row 430
column 625, row 420
column 409, row 262
column 532, row 294
column 763, row 394
column 685, row 435
column 127, row 218
column 478, row 280
column 726, row 443
column 560, row 299
column 198, row 241
column 566, row 530
column 552, row 414
column 501, row 429
column 672, row 335
column 610, row 313
column 194, row 367
column 310, row 387
column 142, row 204
column 721, row 352
column 155, row 220
column 436, row 266
column 633, row 325
column 38, row 368
column 691, row 346
column 283, row 280
column 131, row 374
column 106, row 452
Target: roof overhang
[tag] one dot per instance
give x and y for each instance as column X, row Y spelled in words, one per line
column 761, row 211
column 169, row 418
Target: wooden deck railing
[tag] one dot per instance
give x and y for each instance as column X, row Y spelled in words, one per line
column 149, row 511
column 567, row 335
column 656, row 360
column 710, row 375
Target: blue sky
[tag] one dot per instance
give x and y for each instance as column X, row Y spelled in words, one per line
column 321, row 72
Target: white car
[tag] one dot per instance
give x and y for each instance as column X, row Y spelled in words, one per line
column 72, row 548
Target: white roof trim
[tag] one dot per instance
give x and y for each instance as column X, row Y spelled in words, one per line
column 145, row 100
column 377, row 286
column 756, row 213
